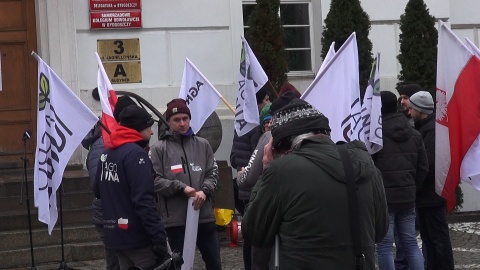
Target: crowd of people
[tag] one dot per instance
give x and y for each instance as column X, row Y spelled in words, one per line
column 320, row 204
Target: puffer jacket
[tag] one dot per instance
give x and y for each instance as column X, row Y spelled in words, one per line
column 94, row 143
column 402, row 161
column 242, row 148
column 303, row 198
column 181, row 161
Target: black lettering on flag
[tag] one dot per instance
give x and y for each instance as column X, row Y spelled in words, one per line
column 242, row 123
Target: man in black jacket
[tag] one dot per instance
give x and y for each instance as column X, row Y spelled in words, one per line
column 431, row 208
column 403, row 163
column 124, row 182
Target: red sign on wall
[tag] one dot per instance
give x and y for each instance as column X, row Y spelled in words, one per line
column 98, row 5
column 115, row 19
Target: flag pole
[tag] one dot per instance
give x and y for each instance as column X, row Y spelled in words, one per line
column 102, row 125
column 228, row 104
column 273, row 89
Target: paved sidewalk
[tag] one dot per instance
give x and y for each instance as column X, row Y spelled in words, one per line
column 465, row 241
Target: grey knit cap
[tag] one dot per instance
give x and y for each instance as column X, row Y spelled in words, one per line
column 422, row 101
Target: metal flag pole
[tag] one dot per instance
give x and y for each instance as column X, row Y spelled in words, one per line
column 27, row 135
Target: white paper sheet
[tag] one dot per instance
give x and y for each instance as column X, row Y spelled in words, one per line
column 190, row 240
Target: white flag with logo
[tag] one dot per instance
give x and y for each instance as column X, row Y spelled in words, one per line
column 328, row 57
column 251, row 79
column 336, row 93
column 63, row 121
column 372, row 111
column 201, row 96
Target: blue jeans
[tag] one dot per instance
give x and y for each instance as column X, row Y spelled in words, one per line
column 404, row 223
column 207, row 243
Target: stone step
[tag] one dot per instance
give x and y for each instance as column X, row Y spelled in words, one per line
column 70, row 200
column 21, row 258
column 72, row 234
column 73, row 181
column 19, row 220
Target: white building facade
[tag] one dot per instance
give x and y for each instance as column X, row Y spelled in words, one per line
column 208, row 33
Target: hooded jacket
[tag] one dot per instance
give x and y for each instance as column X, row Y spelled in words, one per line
column 302, row 197
column 181, row 161
column 124, row 182
column 93, row 142
column 426, row 195
column 402, row 161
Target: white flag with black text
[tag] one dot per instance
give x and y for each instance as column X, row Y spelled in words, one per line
column 251, row 78
column 201, row 96
column 336, row 93
column 63, row 121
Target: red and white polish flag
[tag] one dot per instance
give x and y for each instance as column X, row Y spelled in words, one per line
column 458, row 115
column 176, row 168
column 108, row 99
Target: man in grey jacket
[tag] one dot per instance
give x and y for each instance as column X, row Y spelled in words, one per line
column 185, row 167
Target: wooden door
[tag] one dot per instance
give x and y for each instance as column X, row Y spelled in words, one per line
column 18, row 95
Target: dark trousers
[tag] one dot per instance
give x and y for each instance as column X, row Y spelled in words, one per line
column 436, row 237
column 111, row 259
column 207, row 243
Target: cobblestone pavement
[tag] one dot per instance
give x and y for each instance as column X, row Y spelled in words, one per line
column 465, row 241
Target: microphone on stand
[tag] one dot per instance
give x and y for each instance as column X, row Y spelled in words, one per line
column 26, row 135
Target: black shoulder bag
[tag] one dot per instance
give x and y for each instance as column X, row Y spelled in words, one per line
column 352, row 206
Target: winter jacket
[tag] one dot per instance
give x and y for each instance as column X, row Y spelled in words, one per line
column 94, row 143
column 302, row 197
column 125, row 185
column 402, row 161
column 253, row 170
column 426, row 195
column 242, row 148
column 181, row 161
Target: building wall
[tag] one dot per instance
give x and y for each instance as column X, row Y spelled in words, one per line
column 208, row 33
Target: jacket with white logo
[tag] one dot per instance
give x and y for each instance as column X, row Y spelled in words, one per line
column 124, row 182
column 181, row 161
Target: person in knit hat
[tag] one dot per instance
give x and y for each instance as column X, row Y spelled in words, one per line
column 185, row 168
column 431, row 207
column 288, row 87
column 124, row 183
column 122, row 103
column 405, row 93
column 302, row 196
column 402, row 143
column 265, row 118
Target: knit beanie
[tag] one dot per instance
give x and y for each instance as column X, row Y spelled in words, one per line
column 281, row 101
column 410, row 89
column 175, row 106
column 265, row 112
column 288, row 87
column 389, row 102
column 260, row 95
column 122, row 103
column 422, row 101
column 136, row 118
column 296, row 118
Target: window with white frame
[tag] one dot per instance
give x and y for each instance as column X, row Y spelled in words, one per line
column 295, row 20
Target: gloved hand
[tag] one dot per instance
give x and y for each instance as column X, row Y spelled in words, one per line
column 161, row 250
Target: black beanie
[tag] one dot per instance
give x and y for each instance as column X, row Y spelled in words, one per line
column 389, row 102
column 281, row 101
column 296, row 118
column 260, row 95
column 122, row 103
column 410, row 89
column 136, row 118
column 175, row 106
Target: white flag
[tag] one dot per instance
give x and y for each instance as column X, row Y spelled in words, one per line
column 372, row 111
column 201, row 96
column 336, row 93
column 328, row 57
column 63, row 121
column 250, row 80
column 471, row 46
